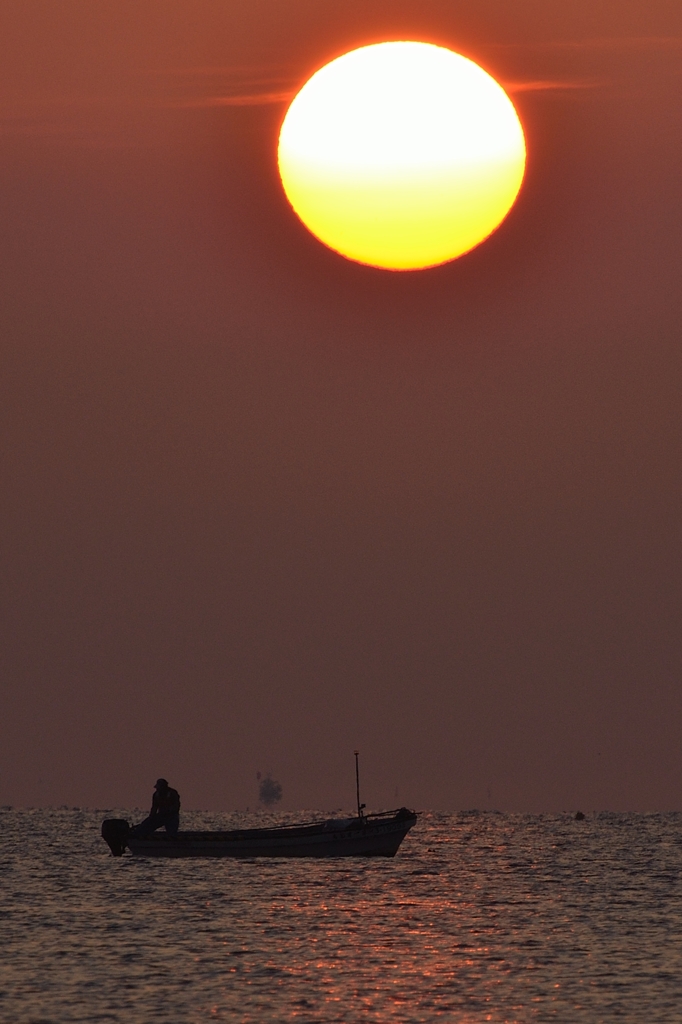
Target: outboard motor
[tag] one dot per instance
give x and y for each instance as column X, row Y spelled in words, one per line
column 115, row 832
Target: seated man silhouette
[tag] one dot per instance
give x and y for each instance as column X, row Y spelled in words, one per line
column 165, row 812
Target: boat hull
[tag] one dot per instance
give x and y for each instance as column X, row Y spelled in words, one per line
column 373, row 836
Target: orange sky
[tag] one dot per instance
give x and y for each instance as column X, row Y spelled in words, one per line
column 262, row 506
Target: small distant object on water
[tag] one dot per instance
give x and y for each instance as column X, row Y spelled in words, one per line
column 579, row 816
column 269, row 790
column 367, row 835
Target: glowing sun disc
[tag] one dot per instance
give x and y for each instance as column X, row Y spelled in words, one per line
column 401, row 155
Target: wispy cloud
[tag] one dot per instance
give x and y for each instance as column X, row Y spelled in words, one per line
column 253, row 99
column 234, row 86
column 256, row 85
column 546, row 84
column 623, row 43
column 240, row 71
column 605, row 43
column 246, row 89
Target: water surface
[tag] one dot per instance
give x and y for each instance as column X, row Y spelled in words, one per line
column 480, row 917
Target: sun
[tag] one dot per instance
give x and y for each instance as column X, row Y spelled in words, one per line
column 401, row 155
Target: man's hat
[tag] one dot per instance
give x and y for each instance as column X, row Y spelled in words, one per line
column 161, row 784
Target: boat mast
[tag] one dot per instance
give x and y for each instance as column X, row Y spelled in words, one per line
column 357, row 784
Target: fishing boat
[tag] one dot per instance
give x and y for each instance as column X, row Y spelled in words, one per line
column 371, row 835
column 364, row 835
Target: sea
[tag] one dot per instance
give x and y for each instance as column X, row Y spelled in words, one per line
column 482, row 916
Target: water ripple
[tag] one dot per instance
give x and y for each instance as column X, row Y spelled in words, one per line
column 481, row 917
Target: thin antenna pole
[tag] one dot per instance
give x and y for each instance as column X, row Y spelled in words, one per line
column 357, row 783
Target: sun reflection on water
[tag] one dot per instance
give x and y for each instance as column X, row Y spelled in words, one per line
column 481, row 917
